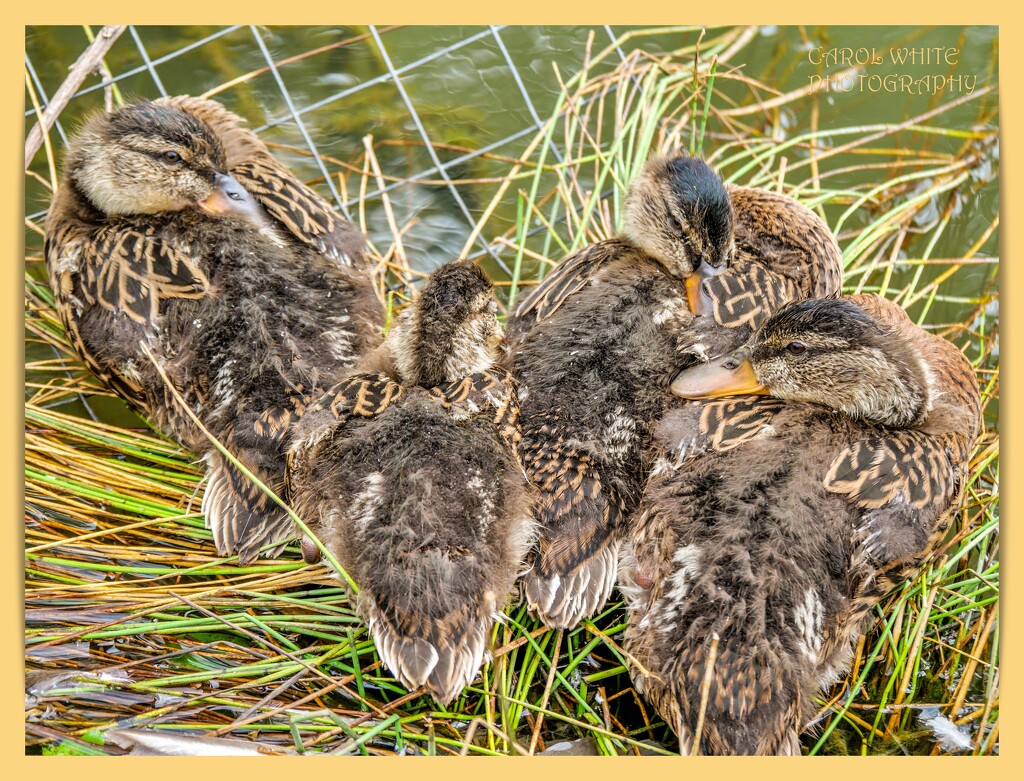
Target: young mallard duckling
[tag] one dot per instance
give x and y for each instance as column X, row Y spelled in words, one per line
column 595, row 346
column 772, row 525
column 417, row 490
column 188, row 241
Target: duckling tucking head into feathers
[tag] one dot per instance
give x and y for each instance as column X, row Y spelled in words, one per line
column 452, row 330
column 178, row 247
column 679, row 213
column 597, row 343
column 417, row 490
column 771, row 526
column 148, row 158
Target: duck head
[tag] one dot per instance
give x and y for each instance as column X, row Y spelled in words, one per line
column 149, row 158
column 828, row 352
column 678, row 211
column 450, row 330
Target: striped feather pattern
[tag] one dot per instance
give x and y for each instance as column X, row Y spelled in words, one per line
column 494, row 387
column 295, row 206
column 240, row 515
column 731, row 422
column 911, row 467
column 748, row 294
column 568, row 278
column 574, row 569
column 125, row 270
column 360, row 396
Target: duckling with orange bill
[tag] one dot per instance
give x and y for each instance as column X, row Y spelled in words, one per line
column 596, row 344
column 811, row 471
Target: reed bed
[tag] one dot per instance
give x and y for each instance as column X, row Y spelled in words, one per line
column 133, row 621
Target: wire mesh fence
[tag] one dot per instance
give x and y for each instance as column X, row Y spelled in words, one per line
column 511, row 146
column 268, row 70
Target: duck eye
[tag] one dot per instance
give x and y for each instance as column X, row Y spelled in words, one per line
column 796, row 348
column 170, row 156
column 678, row 224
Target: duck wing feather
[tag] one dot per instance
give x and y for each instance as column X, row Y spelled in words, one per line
column 297, row 207
column 573, row 572
column 569, row 277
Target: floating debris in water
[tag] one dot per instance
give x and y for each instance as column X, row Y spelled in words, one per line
column 948, row 735
column 40, row 682
column 585, row 747
column 157, row 743
column 571, row 748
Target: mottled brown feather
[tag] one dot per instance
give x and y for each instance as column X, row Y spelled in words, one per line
column 596, row 343
column 777, row 526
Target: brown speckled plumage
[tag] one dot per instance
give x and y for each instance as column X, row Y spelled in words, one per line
column 417, row 490
column 770, row 527
column 249, row 292
column 597, row 343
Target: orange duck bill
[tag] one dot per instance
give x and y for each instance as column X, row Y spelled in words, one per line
column 229, row 197
column 696, row 294
column 731, row 375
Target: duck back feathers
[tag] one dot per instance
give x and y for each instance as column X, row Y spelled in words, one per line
column 246, row 318
column 418, row 491
column 769, row 529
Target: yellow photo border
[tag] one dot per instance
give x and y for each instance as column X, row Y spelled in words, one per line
column 862, row 12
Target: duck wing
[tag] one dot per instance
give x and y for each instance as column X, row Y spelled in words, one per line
column 493, row 389
column 908, row 483
column 241, row 515
column 126, row 269
column 569, row 277
column 785, row 237
column 574, row 568
column 728, row 424
column 784, row 252
column 748, row 294
column 357, row 396
column 297, row 207
column 688, row 428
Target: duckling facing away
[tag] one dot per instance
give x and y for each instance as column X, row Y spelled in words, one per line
column 595, row 346
column 771, row 526
column 417, row 490
column 176, row 233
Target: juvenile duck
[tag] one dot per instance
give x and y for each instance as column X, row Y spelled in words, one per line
column 595, row 346
column 175, row 233
column 410, row 478
column 772, row 525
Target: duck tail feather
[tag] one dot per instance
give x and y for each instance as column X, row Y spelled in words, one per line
column 241, row 516
column 562, row 601
column 441, row 655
